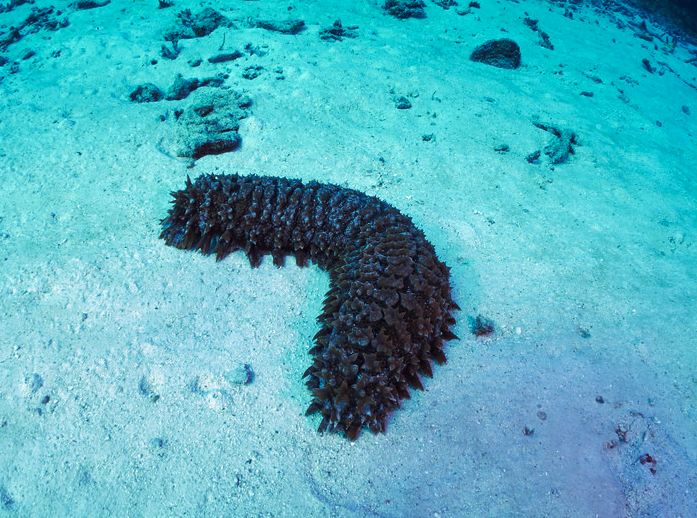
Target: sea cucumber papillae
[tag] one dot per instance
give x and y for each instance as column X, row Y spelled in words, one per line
column 389, row 307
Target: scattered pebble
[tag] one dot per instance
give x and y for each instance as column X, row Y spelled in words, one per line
column 252, row 72
column 34, row 381
column 241, row 375
column 480, row 325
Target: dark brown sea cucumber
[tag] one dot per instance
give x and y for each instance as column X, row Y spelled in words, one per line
column 389, row 306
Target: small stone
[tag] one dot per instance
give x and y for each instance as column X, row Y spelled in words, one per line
column 35, row 382
column 241, row 375
column 402, row 103
column 480, row 325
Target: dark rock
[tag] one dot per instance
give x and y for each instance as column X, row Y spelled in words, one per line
column 559, row 149
column 7, row 39
column 481, row 325
column 533, row 157
column 35, row 382
column 545, row 42
column 7, row 503
column 179, row 33
column 402, row 103
column 89, row 4
column 205, row 144
column 256, row 50
column 252, row 72
column 284, row 26
column 146, row 93
column 227, row 56
column 240, row 375
column 12, row 4
column 504, row 53
column 196, row 25
column 172, row 53
column 181, row 88
column 337, row 32
column 403, row 9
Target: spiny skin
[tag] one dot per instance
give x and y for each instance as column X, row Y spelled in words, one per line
column 388, row 309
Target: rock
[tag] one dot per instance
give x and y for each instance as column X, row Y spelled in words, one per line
column 241, row 375
column 252, row 72
column 285, row 26
column 89, row 4
column 196, row 25
column 146, row 93
column 403, row 9
column 503, row 53
column 224, row 57
column 181, row 88
column 402, row 103
column 338, row 32
column 209, row 125
column 560, row 147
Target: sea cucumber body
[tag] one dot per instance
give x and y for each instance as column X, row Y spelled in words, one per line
column 389, row 306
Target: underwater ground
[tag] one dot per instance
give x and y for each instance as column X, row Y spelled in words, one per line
column 139, row 380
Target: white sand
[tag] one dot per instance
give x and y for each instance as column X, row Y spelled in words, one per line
column 138, row 346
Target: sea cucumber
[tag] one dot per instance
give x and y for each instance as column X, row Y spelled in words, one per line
column 389, row 307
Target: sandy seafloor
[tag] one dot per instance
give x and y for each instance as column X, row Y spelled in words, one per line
column 120, row 357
